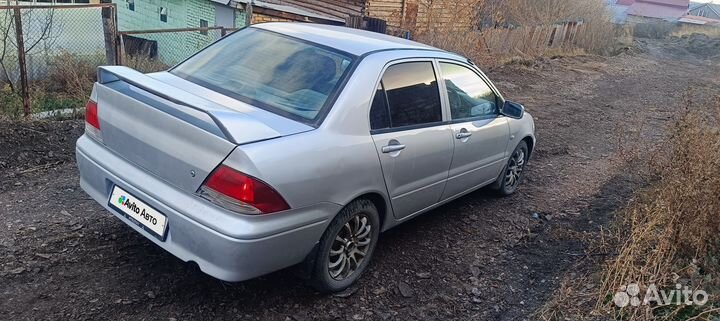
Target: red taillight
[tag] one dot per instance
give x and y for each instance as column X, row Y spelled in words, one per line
column 249, row 195
column 91, row 114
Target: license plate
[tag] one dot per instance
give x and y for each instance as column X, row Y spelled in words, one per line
column 138, row 212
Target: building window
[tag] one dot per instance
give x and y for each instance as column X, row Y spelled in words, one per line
column 203, row 24
column 131, row 5
column 163, row 14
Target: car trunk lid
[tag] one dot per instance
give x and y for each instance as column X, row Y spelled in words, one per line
column 174, row 133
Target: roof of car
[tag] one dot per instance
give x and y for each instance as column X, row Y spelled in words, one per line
column 354, row 41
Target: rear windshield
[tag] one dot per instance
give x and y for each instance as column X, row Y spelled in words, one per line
column 286, row 76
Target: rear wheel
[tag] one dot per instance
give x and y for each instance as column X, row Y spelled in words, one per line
column 510, row 178
column 346, row 248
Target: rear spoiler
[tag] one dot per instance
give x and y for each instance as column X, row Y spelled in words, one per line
column 235, row 126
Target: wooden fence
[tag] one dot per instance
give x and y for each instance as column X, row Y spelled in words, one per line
column 490, row 46
column 532, row 40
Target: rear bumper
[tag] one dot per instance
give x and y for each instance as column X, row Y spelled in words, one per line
column 225, row 245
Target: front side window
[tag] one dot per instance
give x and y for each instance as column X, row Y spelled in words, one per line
column 468, row 94
column 280, row 74
column 413, row 97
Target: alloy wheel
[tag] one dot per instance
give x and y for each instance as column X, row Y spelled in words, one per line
column 350, row 247
column 515, row 168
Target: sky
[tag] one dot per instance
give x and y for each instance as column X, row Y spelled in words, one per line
column 713, row 1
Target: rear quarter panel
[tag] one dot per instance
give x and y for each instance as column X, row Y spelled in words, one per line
column 313, row 167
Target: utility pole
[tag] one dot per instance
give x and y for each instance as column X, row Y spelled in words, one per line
column 25, row 91
column 249, row 12
column 109, row 24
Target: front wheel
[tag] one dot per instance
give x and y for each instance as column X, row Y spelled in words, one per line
column 510, row 178
column 346, row 248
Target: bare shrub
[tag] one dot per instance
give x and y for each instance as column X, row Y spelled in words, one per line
column 654, row 30
column 445, row 16
column 449, row 25
column 470, row 44
column 10, row 103
column 603, row 38
column 73, row 74
column 144, row 64
column 546, row 12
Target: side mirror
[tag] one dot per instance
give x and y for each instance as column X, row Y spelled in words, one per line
column 513, row 110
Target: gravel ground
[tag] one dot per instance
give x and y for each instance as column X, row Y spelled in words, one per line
column 480, row 257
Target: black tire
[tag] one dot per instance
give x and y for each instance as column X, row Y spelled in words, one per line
column 321, row 278
column 505, row 186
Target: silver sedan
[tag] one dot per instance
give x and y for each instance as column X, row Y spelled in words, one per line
column 296, row 144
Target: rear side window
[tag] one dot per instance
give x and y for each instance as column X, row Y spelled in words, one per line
column 413, row 97
column 379, row 113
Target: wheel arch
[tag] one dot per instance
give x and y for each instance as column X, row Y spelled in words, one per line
column 381, row 203
column 530, row 141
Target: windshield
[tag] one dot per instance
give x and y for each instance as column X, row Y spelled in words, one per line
column 286, row 76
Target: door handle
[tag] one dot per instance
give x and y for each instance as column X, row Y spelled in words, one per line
column 463, row 134
column 392, row 148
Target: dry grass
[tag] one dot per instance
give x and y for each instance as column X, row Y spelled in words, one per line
column 503, row 46
column 672, row 233
column 686, row 30
column 669, row 234
column 654, row 30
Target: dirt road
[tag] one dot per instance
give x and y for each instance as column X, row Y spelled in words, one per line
column 480, row 257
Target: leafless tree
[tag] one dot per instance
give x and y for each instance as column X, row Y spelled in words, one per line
column 37, row 31
column 545, row 12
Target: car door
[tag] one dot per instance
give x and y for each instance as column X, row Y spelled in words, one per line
column 413, row 142
column 480, row 133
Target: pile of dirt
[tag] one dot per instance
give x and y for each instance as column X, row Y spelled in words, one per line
column 703, row 45
column 699, row 45
column 34, row 146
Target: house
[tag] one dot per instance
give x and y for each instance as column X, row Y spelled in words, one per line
column 648, row 10
column 641, row 11
column 705, row 14
column 328, row 11
column 707, row 10
column 699, row 20
column 293, row 10
column 171, row 47
column 399, row 15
